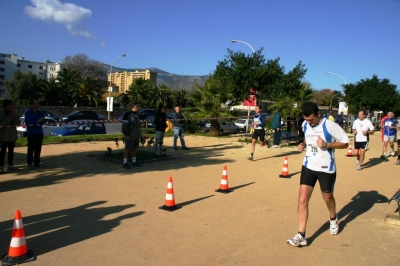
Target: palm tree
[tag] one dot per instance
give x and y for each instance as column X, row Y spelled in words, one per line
column 67, row 83
column 50, row 93
column 87, row 92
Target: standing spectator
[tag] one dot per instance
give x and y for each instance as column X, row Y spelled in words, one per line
column 34, row 119
column 322, row 138
column 161, row 124
column 178, row 122
column 276, row 125
column 389, row 133
column 288, row 126
column 330, row 117
column 398, row 144
column 132, row 132
column 258, row 125
column 340, row 120
column 8, row 134
column 361, row 128
column 300, row 122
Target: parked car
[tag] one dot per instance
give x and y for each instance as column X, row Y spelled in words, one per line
column 80, row 115
column 143, row 115
column 241, row 123
column 49, row 124
column 101, row 117
column 80, row 129
column 226, row 127
column 50, row 114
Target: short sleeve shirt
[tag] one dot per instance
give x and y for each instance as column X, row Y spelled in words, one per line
column 360, row 126
column 321, row 159
column 387, row 123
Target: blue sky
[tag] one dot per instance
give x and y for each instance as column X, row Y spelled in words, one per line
column 353, row 38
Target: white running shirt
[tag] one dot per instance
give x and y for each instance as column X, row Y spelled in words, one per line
column 360, row 126
column 320, row 159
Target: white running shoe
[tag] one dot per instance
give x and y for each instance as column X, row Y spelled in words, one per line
column 358, row 167
column 357, row 162
column 392, row 153
column 298, row 241
column 250, row 158
column 334, row 226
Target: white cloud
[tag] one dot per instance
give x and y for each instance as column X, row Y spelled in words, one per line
column 66, row 14
column 102, row 44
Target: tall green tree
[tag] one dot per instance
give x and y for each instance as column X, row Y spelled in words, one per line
column 50, row 93
column 67, row 81
column 372, row 94
column 87, row 92
column 182, row 98
column 23, row 87
column 141, row 91
column 237, row 73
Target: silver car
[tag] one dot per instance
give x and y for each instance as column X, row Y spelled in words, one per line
column 49, row 124
column 241, row 123
column 226, row 127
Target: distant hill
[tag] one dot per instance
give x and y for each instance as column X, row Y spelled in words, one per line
column 172, row 81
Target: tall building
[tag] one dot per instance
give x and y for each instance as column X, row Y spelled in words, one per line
column 121, row 81
column 10, row 63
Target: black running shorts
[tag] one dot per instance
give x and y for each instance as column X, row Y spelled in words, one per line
column 360, row 145
column 258, row 133
column 326, row 180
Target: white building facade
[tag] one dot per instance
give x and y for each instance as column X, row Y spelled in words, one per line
column 10, row 63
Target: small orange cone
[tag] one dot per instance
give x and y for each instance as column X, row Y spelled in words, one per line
column 169, row 203
column 224, row 187
column 18, row 252
column 350, row 151
column 285, row 169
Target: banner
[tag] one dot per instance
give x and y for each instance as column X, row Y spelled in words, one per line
column 342, row 108
column 110, row 104
column 252, row 99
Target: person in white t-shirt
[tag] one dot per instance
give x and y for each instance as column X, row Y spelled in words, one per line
column 361, row 129
column 322, row 137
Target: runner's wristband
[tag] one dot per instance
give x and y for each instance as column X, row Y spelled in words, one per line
column 326, row 145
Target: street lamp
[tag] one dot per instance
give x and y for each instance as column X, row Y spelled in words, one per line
column 244, row 43
column 248, row 110
column 110, row 88
column 330, row 105
column 337, row 75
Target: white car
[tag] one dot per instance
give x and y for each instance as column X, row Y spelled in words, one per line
column 241, row 123
column 49, row 124
column 226, row 127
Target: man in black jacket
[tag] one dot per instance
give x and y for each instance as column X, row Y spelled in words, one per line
column 161, row 124
column 178, row 122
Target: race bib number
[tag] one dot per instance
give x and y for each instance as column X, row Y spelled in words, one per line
column 388, row 124
column 313, row 151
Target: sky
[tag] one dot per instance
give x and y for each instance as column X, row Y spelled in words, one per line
column 354, row 39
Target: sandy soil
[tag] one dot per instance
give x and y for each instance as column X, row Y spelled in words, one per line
column 81, row 210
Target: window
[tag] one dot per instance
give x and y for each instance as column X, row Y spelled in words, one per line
column 1, row 83
column 40, row 67
column 2, row 77
column 2, row 62
column 2, row 69
column 29, row 66
column 18, row 65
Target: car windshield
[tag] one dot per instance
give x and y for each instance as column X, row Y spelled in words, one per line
column 74, row 113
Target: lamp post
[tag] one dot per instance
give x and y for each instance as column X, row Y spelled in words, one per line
column 330, row 105
column 110, row 88
column 337, row 75
column 244, row 43
column 248, row 110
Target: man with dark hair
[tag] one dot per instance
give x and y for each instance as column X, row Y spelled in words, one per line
column 160, row 121
column 132, row 132
column 361, row 129
column 258, row 125
column 322, row 137
column 178, row 121
column 8, row 134
column 34, row 119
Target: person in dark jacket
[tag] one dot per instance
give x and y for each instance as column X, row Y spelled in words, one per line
column 161, row 124
column 34, row 119
column 277, row 127
column 132, row 132
column 178, row 122
column 8, row 134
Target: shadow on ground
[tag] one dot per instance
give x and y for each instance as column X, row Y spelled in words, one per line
column 47, row 232
column 362, row 202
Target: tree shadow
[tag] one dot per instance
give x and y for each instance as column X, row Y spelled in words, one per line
column 362, row 202
column 47, row 232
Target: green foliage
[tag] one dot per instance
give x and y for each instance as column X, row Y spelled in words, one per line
column 24, row 86
column 372, row 94
column 237, row 73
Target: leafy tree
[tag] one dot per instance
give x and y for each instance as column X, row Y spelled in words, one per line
column 372, row 94
column 50, row 93
column 141, row 91
column 67, row 81
column 237, row 73
column 161, row 95
column 23, row 87
column 182, row 98
column 323, row 97
column 87, row 92
column 85, row 67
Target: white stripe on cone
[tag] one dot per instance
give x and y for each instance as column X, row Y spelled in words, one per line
column 169, row 185
column 285, row 169
column 17, row 242
column 169, row 196
column 18, row 224
column 223, row 172
column 224, row 182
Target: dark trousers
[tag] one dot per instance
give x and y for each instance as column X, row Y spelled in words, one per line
column 277, row 137
column 4, row 146
column 34, row 148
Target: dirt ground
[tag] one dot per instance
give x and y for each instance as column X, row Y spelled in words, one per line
column 82, row 210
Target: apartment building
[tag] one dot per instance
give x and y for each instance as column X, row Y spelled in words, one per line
column 10, row 63
column 121, row 81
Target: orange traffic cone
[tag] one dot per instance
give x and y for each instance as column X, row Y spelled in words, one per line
column 18, row 252
column 169, row 203
column 350, row 151
column 224, row 187
column 285, row 168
